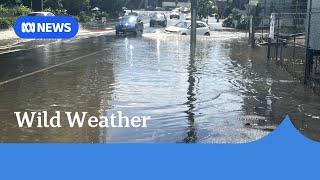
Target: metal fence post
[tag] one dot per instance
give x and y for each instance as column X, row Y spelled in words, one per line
column 277, row 44
column 269, row 48
column 281, row 52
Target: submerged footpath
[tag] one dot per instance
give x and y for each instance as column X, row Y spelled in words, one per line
column 10, row 42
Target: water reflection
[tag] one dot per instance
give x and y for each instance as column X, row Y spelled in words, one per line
column 73, row 87
column 222, row 93
column 191, row 96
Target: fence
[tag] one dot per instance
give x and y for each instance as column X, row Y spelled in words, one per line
column 288, row 48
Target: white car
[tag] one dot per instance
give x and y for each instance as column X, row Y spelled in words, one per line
column 41, row 14
column 185, row 10
column 184, row 27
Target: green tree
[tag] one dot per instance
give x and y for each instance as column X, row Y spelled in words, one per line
column 8, row 2
column 111, row 7
column 74, row 7
column 273, row 8
column 206, row 8
column 229, row 8
column 134, row 4
column 53, row 4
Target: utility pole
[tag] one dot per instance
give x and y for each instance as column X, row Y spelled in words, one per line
column 253, row 4
column 41, row 5
column 253, row 37
column 193, row 32
column 309, row 54
column 264, row 16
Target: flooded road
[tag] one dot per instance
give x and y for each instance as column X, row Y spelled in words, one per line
column 227, row 93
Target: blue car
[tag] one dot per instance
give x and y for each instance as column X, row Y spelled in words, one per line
column 129, row 24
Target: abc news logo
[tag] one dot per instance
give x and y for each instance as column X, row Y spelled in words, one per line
column 43, row 27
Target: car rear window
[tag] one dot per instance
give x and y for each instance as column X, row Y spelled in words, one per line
column 129, row 19
column 158, row 16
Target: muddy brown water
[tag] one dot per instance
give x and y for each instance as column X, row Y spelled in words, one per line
column 228, row 93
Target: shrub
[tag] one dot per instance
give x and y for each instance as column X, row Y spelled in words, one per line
column 103, row 14
column 84, row 17
column 3, row 10
column 19, row 10
column 9, row 15
column 5, row 23
column 242, row 20
column 228, row 22
column 77, row 18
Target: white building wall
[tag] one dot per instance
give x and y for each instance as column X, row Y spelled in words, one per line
column 173, row 4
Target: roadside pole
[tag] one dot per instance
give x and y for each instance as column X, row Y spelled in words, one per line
column 252, row 32
column 309, row 54
column 269, row 49
column 271, row 33
column 253, row 4
column 253, row 36
column 193, row 32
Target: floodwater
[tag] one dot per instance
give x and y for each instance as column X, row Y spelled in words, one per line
column 227, row 93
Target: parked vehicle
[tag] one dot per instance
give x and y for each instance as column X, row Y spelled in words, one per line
column 158, row 19
column 133, row 14
column 159, row 9
column 185, row 10
column 175, row 13
column 184, row 27
column 176, row 9
column 188, row 17
column 129, row 24
column 40, row 14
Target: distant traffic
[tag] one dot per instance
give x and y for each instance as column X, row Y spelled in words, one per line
column 132, row 23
